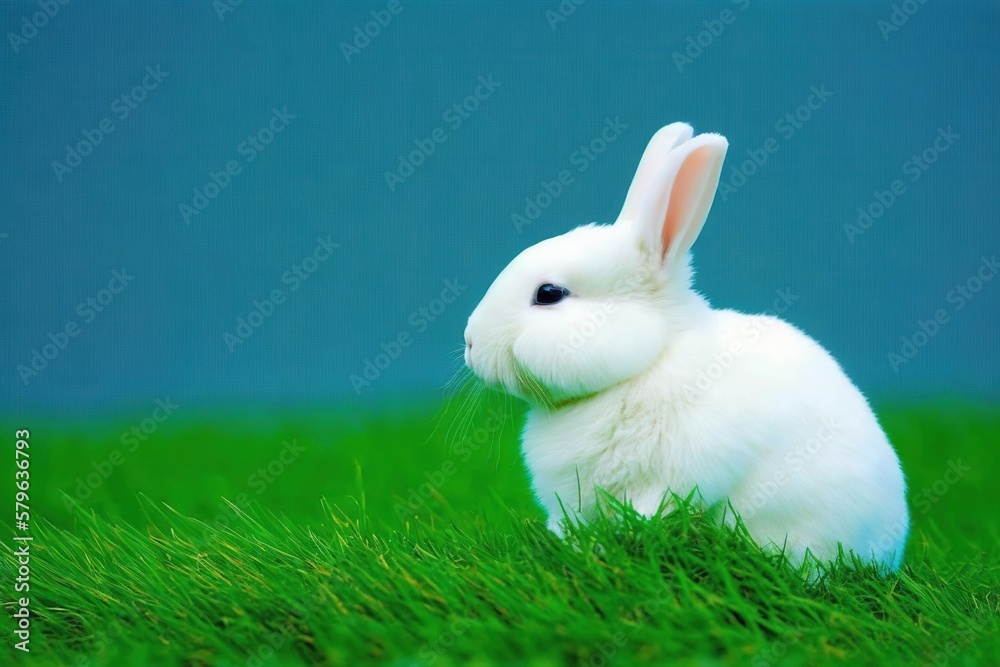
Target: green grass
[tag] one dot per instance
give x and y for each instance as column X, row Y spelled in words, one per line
column 397, row 539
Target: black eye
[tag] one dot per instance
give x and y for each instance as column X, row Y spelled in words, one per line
column 548, row 294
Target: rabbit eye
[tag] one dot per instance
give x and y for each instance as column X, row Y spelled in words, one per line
column 548, row 294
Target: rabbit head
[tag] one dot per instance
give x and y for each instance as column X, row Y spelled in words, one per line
column 581, row 312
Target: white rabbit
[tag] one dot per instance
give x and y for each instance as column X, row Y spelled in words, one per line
column 638, row 387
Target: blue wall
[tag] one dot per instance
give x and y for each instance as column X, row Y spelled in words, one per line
column 209, row 80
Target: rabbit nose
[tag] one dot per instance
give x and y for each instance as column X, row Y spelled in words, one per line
column 468, row 342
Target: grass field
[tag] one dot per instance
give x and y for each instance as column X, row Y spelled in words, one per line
column 413, row 539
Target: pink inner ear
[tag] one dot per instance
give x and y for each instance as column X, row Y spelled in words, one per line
column 685, row 196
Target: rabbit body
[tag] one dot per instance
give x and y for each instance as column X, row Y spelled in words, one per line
column 638, row 387
column 722, row 410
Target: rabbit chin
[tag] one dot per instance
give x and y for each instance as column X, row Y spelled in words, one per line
column 551, row 381
column 512, row 377
column 527, row 386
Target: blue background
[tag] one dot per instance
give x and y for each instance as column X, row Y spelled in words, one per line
column 324, row 175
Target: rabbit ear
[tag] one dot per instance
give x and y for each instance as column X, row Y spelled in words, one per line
column 673, row 208
column 665, row 140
